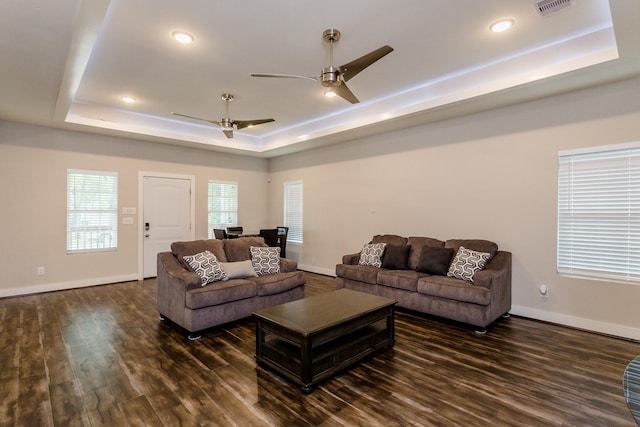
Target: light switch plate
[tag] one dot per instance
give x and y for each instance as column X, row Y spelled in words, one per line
column 127, row 220
column 128, row 211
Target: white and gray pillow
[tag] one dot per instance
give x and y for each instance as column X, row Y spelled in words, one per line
column 371, row 254
column 205, row 264
column 466, row 263
column 265, row 260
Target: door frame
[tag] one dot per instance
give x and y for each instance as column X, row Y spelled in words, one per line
column 141, row 176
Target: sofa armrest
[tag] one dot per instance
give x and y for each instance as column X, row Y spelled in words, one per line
column 288, row 265
column 171, row 269
column 173, row 283
column 351, row 259
column 497, row 273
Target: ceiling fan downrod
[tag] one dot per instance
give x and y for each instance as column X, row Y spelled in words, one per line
column 330, row 76
column 226, row 123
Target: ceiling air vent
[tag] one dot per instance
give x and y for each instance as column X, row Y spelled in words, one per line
column 549, row 7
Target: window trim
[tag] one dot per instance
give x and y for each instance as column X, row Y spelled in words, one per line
column 210, row 225
column 113, row 212
column 296, row 231
column 598, row 224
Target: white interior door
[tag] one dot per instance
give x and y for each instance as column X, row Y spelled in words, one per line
column 166, row 217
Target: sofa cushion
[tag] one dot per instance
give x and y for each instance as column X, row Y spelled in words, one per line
column 466, row 263
column 416, row 248
column 272, row 284
column 265, row 260
column 371, row 254
column 474, row 244
column 206, row 266
column 434, row 260
column 220, row 293
column 182, row 249
column 239, row 249
column 238, row 269
column 400, row 279
column 454, row 289
column 361, row 273
column 389, row 239
column 395, row 257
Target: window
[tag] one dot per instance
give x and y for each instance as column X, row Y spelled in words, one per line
column 293, row 210
column 222, row 205
column 599, row 213
column 92, row 211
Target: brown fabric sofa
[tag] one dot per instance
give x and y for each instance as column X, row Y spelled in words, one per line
column 183, row 300
column 477, row 303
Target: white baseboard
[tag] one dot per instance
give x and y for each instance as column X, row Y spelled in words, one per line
column 577, row 322
column 547, row 316
column 61, row 286
column 317, row 270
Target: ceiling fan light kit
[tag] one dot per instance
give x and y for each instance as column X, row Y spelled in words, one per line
column 336, row 77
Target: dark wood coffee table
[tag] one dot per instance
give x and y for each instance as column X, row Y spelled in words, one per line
column 309, row 340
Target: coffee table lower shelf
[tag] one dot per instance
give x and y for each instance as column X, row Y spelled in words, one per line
column 307, row 359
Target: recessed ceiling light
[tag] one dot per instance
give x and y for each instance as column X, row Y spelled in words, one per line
column 329, row 94
column 182, row 37
column 128, row 99
column 501, row 25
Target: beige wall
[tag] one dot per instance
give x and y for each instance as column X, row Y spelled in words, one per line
column 491, row 175
column 33, row 166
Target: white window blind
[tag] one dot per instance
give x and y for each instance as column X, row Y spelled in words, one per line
column 293, row 210
column 599, row 214
column 92, row 211
column 222, row 205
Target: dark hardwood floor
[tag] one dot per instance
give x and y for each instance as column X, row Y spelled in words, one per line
column 100, row 356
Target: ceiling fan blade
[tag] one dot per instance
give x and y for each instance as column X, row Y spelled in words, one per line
column 241, row 124
column 352, row 68
column 215, row 122
column 344, row 92
column 229, row 133
column 283, row 76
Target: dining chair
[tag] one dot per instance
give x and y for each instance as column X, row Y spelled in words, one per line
column 219, row 233
column 270, row 236
column 234, row 230
column 283, row 233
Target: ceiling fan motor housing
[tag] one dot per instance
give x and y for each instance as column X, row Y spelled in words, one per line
column 226, row 124
column 330, row 76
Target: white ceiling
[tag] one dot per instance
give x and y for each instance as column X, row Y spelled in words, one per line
column 67, row 63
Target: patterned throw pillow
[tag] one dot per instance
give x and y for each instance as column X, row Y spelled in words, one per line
column 265, row 260
column 466, row 263
column 205, row 264
column 371, row 254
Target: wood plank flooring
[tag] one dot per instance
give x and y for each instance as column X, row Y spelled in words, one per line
column 100, row 356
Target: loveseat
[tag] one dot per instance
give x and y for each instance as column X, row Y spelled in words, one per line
column 238, row 282
column 448, row 279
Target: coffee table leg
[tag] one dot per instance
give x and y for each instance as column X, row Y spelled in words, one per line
column 306, row 364
column 391, row 327
column 259, row 338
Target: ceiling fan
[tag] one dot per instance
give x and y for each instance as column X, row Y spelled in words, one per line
column 336, row 77
column 226, row 124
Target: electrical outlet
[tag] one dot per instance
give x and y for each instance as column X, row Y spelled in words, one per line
column 544, row 291
column 40, row 271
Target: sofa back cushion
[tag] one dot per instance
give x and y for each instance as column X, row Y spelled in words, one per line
column 389, row 239
column 478, row 245
column 395, row 257
column 182, row 249
column 240, row 249
column 416, row 249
